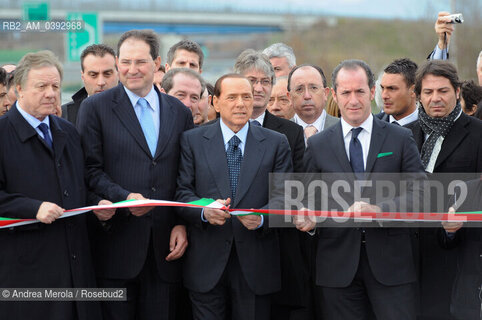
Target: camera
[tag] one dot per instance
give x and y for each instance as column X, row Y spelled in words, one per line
column 456, row 18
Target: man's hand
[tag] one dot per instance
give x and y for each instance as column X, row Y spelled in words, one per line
column 139, row 211
column 104, row 214
column 250, row 221
column 177, row 243
column 361, row 206
column 452, row 226
column 304, row 222
column 217, row 217
column 444, row 29
column 48, row 212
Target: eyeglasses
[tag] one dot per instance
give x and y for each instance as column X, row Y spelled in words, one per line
column 312, row 89
column 265, row 82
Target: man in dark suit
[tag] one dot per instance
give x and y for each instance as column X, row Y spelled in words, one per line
column 450, row 142
column 257, row 68
column 233, row 263
column 42, row 175
column 398, row 93
column 362, row 270
column 308, row 90
column 130, row 135
column 98, row 73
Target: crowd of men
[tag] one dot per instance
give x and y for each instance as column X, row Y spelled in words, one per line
column 139, row 130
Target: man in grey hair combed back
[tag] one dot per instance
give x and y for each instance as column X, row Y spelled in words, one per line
column 282, row 57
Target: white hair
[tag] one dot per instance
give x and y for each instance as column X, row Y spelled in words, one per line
column 280, row 50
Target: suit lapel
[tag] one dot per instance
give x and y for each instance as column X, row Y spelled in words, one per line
column 59, row 137
column 376, row 143
column 338, row 144
column 453, row 139
column 253, row 155
column 125, row 112
column 215, row 155
column 270, row 121
column 167, row 114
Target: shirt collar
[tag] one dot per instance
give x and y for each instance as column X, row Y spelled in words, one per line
column 367, row 125
column 151, row 97
column 260, row 119
column 406, row 120
column 34, row 122
column 318, row 123
column 228, row 133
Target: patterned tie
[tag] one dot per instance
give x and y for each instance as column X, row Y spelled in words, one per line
column 234, row 156
column 45, row 130
column 356, row 153
column 147, row 124
column 310, row 131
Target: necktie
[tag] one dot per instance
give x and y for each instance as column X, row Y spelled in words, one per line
column 356, row 153
column 234, row 157
column 256, row 123
column 45, row 130
column 310, row 131
column 147, row 124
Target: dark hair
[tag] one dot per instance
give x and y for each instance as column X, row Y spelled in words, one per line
column 219, row 82
column 187, row 45
column 10, row 79
column 472, row 94
column 3, row 77
column 353, row 64
column 478, row 113
column 148, row 36
column 98, row 50
column 162, row 68
column 406, row 67
column 438, row 68
column 168, row 79
column 322, row 74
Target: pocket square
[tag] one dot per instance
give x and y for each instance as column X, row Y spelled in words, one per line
column 384, row 154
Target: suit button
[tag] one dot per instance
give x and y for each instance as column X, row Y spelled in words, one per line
column 153, row 189
column 480, row 256
column 66, row 193
column 58, row 164
column 74, row 257
column 154, row 163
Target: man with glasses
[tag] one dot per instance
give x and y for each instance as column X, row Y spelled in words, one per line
column 257, row 68
column 187, row 86
column 308, row 91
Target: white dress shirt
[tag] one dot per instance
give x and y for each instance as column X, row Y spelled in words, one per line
column 364, row 137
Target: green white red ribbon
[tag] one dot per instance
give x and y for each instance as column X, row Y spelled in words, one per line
column 473, row 216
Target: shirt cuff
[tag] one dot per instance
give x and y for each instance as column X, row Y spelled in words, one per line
column 202, row 216
column 439, row 54
column 261, row 224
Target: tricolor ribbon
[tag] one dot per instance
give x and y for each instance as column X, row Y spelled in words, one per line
column 472, row 216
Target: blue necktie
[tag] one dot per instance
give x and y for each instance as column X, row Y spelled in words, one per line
column 147, row 124
column 356, row 153
column 234, row 156
column 45, row 130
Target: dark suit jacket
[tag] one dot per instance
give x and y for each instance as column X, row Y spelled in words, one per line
column 203, row 172
column 41, row 255
column 71, row 109
column 465, row 302
column 462, row 147
column 294, row 134
column 119, row 162
column 388, row 249
column 461, row 152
